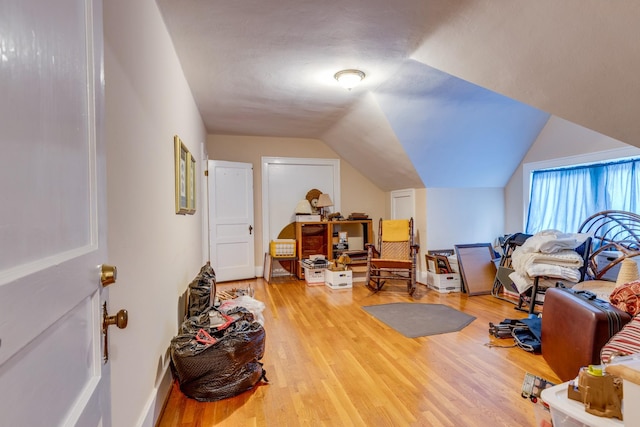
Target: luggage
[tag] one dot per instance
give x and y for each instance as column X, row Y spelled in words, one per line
column 575, row 327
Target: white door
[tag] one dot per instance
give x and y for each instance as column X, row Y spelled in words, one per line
column 403, row 204
column 52, row 209
column 231, row 232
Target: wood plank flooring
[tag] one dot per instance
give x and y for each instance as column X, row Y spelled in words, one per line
column 329, row 363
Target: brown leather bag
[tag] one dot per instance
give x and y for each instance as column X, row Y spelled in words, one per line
column 575, row 327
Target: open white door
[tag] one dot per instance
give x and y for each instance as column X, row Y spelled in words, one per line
column 231, row 232
column 52, row 238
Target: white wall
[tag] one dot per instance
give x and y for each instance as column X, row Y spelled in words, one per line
column 156, row 251
column 559, row 139
column 462, row 216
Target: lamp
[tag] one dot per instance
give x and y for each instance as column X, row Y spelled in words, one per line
column 303, row 207
column 349, row 79
column 324, row 201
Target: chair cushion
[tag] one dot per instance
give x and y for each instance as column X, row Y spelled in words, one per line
column 602, row 288
column 625, row 342
column 395, row 230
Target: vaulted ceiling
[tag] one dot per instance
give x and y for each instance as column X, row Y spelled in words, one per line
column 451, row 85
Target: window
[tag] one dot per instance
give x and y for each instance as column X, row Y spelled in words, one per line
column 562, row 198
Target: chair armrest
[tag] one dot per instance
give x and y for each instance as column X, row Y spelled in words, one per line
column 371, row 250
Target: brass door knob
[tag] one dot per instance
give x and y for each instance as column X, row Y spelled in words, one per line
column 120, row 319
column 108, row 274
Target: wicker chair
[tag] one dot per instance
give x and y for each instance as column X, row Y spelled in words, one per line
column 612, row 230
column 396, row 256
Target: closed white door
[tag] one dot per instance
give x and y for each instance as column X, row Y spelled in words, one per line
column 403, row 204
column 52, row 238
column 231, row 231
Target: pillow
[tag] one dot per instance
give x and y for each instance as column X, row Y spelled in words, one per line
column 625, row 342
column 627, row 297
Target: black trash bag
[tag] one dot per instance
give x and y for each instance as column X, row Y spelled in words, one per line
column 202, row 291
column 230, row 366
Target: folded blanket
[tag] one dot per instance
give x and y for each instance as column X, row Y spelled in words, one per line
column 563, row 266
column 557, row 271
column 395, row 230
column 522, row 283
column 552, row 241
column 521, row 260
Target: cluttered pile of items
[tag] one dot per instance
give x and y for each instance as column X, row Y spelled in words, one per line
column 221, row 341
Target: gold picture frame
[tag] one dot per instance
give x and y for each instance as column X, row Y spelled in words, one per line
column 181, row 155
column 191, row 184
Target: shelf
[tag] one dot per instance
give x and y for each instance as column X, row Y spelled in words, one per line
column 319, row 237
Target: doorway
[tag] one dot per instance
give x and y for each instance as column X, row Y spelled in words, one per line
column 231, row 222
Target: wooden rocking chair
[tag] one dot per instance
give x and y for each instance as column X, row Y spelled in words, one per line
column 396, row 256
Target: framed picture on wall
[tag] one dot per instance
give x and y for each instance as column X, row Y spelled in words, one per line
column 181, row 157
column 191, row 184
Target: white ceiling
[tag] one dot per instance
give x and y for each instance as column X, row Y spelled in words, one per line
column 469, row 81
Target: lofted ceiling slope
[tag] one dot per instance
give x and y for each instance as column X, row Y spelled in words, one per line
column 468, row 81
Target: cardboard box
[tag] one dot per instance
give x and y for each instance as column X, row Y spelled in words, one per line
column 358, row 273
column 339, row 279
column 314, row 276
column 444, row 283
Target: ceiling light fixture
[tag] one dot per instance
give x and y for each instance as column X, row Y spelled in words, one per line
column 348, row 79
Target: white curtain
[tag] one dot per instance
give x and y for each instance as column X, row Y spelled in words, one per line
column 561, row 199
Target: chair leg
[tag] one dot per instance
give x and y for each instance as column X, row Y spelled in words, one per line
column 374, row 281
column 532, row 299
column 375, row 284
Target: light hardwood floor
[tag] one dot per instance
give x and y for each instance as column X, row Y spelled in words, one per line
column 329, row 363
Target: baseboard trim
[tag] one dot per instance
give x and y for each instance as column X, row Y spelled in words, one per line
column 155, row 405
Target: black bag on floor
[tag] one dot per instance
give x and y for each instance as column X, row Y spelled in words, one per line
column 528, row 337
column 202, row 291
column 223, row 364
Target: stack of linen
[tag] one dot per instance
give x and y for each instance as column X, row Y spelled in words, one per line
column 549, row 255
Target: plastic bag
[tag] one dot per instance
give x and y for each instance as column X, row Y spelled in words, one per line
column 229, row 364
column 253, row 305
column 202, row 291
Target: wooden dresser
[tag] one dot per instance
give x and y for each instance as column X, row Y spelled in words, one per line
column 321, row 238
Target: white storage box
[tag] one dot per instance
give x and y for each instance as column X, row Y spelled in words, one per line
column 444, row 283
column 631, row 413
column 314, row 276
column 627, row 368
column 567, row 412
column 307, row 218
column 340, row 279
